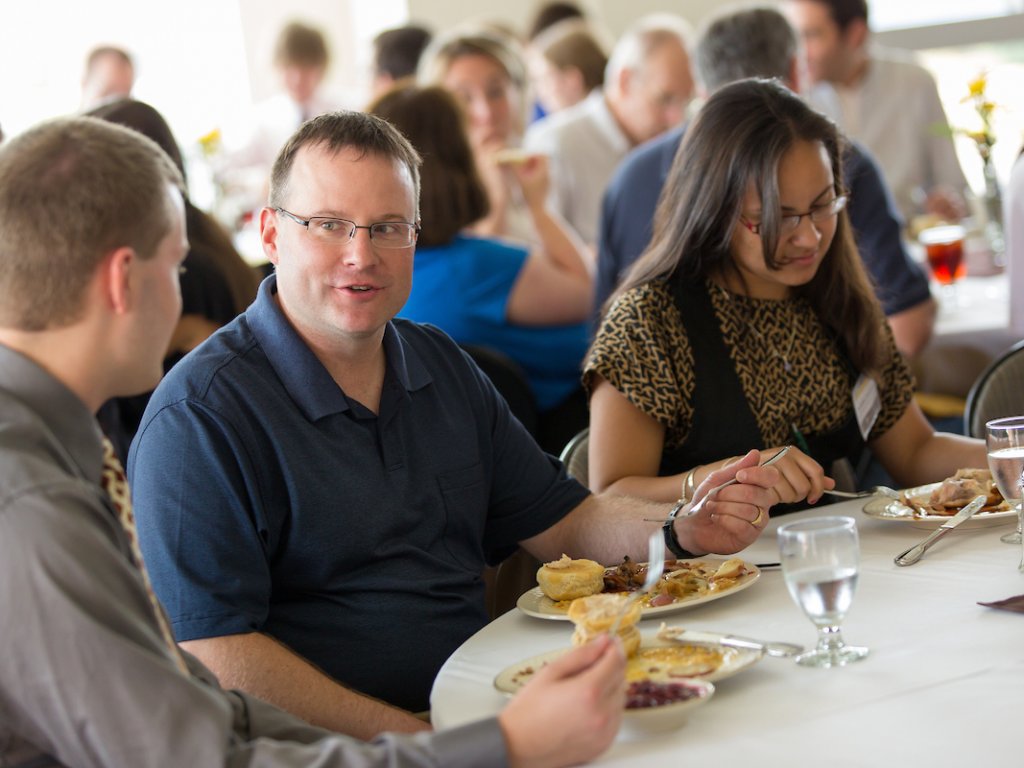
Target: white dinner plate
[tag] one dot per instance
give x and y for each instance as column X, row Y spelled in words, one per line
column 535, row 603
column 882, row 508
column 704, row 660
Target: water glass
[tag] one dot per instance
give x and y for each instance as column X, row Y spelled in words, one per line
column 1005, row 441
column 820, row 560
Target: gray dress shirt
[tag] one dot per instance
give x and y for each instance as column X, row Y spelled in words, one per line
column 85, row 677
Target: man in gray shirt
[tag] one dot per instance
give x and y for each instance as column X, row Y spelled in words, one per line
column 91, row 241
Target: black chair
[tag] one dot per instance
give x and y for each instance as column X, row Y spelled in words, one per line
column 507, row 581
column 998, row 392
column 510, row 381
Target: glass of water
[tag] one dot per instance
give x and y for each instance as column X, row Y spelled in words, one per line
column 820, row 558
column 1005, row 441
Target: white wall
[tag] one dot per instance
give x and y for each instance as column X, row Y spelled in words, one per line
column 614, row 15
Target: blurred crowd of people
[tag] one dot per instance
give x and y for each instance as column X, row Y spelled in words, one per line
column 688, row 241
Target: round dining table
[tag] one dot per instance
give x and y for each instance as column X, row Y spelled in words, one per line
column 943, row 684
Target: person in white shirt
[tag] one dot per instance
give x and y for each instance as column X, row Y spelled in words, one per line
column 301, row 57
column 647, row 87
column 884, row 100
column 109, row 75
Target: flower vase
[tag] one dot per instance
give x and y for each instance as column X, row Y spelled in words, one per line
column 993, row 205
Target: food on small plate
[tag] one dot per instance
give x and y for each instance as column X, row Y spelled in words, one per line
column 513, row 156
column 568, row 579
column 674, row 661
column 656, row 661
column 642, row 694
column 595, row 614
column 953, row 493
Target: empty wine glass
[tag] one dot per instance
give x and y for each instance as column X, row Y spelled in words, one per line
column 820, row 558
column 1005, row 440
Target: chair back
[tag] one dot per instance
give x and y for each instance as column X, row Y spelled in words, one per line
column 575, row 458
column 509, row 379
column 998, row 392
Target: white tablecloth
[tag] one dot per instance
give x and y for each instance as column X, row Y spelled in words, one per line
column 944, row 683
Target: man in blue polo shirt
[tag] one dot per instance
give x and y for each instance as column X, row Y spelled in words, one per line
column 319, row 487
column 759, row 42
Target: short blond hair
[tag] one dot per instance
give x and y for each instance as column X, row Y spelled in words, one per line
column 71, row 191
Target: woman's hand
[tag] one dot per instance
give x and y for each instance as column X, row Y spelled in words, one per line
column 733, row 518
column 800, row 476
column 534, row 178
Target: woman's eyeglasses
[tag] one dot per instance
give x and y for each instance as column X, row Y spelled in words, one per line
column 791, row 221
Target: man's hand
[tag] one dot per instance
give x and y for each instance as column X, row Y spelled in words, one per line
column 570, row 711
column 946, row 203
column 734, row 518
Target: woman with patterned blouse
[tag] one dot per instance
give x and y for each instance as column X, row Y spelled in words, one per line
column 749, row 321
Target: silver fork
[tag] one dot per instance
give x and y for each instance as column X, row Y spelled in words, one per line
column 655, row 568
column 694, row 509
column 878, row 490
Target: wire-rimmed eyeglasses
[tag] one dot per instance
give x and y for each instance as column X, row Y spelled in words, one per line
column 383, row 234
column 817, row 214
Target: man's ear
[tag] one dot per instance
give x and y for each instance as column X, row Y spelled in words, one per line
column 117, row 269
column 625, row 80
column 856, row 34
column 268, row 234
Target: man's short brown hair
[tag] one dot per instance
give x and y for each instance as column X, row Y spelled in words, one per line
column 336, row 131
column 71, row 191
column 300, row 45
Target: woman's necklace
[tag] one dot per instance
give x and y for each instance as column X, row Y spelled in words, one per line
column 783, row 356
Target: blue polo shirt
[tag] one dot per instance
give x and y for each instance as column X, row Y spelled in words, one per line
column 627, row 216
column 268, row 501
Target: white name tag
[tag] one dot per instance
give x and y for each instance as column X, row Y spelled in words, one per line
column 866, row 404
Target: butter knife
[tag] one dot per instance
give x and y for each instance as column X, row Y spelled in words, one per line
column 768, row 647
column 915, row 553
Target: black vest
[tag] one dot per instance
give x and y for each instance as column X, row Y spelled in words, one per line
column 723, row 423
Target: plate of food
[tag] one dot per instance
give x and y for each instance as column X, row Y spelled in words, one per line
column 665, row 678
column 929, row 506
column 685, row 583
column 656, row 660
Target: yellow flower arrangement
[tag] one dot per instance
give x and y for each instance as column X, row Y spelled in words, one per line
column 210, row 143
column 985, row 137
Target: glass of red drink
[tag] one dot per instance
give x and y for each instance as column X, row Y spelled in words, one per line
column 944, row 247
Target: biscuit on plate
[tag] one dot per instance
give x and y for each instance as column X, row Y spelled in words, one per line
column 568, row 579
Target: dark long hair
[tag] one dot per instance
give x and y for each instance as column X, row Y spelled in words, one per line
column 738, row 139
column 452, row 196
column 204, row 233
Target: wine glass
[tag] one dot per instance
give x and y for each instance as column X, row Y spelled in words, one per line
column 820, row 558
column 1005, row 440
